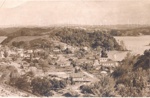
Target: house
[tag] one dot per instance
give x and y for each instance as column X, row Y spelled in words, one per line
column 58, row 74
column 102, row 59
column 63, row 47
column 109, row 64
column 33, row 69
column 85, row 48
column 63, row 61
column 98, row 67
column 38, row 50
column 83, row 61
column 1, row 54
column 105, row 62
column 96, row 63
column 56, row 50
column 91, row 58
column 20, row 50
column 53, row 56
column 21, row 54
column 103, row 72
column 29, row 51
column 80, row 77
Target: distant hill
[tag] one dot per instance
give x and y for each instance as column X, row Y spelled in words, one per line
column 130, row 32
column 24, row 32
column 121, row 30
column 69, row 35
column 78, row 35
column 2, row 33
column 10, row 30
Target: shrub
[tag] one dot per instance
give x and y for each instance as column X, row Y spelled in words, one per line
column 41, row 86
column 71, row 94
column 20, row 83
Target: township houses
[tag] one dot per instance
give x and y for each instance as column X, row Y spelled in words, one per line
column 8, row 51
column 58, row 75
column 1, row 54
column 80, row 77
column 64, row 46
column 56, row 50
column 62, row 61
column 83, row 61
column 105, row 62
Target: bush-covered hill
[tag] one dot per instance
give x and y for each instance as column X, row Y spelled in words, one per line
column 24, row 32
column 2, row 33
column 72, row 36
column 134, row 75
column 143, row 61
column 89, row 39
column 130, row 32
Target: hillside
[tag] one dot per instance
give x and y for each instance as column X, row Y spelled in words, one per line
column 143, row 61
column 2, row 32
column 115, row 30
column 130, row 32
column 71, row 36
column 90, row 36
column 8, row 91
column 24, row 32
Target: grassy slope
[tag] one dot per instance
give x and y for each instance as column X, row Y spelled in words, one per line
column 8, row 91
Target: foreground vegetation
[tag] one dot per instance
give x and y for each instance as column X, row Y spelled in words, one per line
column 129, row 79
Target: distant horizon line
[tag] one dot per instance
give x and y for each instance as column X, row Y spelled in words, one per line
column 60, row 25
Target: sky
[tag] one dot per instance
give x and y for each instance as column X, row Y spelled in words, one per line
column 78, row 12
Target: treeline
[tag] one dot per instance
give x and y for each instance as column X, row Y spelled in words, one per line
column 33, row 44
column 130, row 32
column 77, row 37
column 24, row 32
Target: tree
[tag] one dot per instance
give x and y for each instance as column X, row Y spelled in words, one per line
column 41, row 86
column 104, row 54
column 99, row 48
column 5, row 54
column 73, row 63
column 44, row 65
column 71, row 94
column 103, row 88
column 22, row 83
column 123, row 45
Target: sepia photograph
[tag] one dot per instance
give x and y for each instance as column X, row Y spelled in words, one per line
column 74, row 48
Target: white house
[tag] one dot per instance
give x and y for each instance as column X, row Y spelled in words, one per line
column 109, row 64
column 103, row 59
column 96, row 63
column 1, row 54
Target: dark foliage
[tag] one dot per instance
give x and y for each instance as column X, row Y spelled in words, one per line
column 44, row 86
column 20, row 44
column 41, row 86
column 104, row 54
column 130, row 32
column 133, row 75
column 74, row 37
column 82, row 38
column 143, row 61
column 40, row 43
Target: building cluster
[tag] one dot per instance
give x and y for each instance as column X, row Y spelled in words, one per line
column 61, row 57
